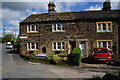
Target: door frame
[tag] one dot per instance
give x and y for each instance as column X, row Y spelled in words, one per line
column 87, row 46
column 71, row 46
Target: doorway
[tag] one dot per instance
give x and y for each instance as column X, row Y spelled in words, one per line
column 83, row 48
column 72, row 45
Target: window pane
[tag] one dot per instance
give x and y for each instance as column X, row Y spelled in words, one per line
column 99, row 28
column 109, row 26
column 59, row 45
column 99, row 44
column 104, row 44
column 58, row 27
column 109, row 44
column 62, row 26
column 54, row 27
column 104, row 26
column 63, row 47
column 99, row 24
column 32, row 45
column 36, row 45
column 54, row 45
column 33, row 28
column 36, row 28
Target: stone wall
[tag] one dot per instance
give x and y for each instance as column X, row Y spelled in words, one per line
column 74, row 31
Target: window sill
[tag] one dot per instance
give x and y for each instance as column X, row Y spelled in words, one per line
column 58, row 31
column 32, row 32
column 33, row 50
column 59, row 50
column 103, row 31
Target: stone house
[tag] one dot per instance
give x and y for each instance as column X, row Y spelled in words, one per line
column 56, row 33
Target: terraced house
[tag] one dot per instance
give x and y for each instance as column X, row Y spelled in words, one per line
column 57, row 33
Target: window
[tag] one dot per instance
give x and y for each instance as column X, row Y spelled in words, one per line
column 58, row 45
column 104, row 26
column 31, row 28
column 104, row 44
column 57, row 27
column 32, row 46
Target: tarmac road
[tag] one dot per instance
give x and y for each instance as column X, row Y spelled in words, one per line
column 11, row 69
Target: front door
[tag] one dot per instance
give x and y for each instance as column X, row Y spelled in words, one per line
column 83, row 48
column 72, row 45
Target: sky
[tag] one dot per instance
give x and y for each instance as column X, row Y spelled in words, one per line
column 14, row 11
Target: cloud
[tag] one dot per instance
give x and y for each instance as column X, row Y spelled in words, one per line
column 115, row 5
column 23, row 6
column 96, row 7
column 8, row 14
column 14, row 23
column 25, row 0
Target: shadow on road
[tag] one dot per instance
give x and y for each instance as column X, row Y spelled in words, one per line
column 13, row 52
column 89, row 61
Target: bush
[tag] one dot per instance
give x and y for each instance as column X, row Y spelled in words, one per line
column 108, row 76
column 75, row 57
column 50, row 58
column 96, row 78
column 33, row 58
column 57, row 59
column 65, row 59
column 116, row 57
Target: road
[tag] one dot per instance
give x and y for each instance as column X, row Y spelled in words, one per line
column 13, row 66
column 11, row 69
column 0, row 61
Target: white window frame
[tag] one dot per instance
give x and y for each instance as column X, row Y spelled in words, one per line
column 30, row 44
column 29, row 28
column 107, row 43
column 55, row 27
column 101, row 27
column 56, row 45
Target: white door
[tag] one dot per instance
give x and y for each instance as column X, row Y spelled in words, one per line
column 83, row 48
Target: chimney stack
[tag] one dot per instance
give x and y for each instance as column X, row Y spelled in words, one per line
column 106, row 6
column 51, row 7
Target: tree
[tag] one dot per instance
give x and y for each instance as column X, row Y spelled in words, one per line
column 8, row 38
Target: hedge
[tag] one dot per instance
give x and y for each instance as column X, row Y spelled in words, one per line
column 75, row 57
column 50, row 58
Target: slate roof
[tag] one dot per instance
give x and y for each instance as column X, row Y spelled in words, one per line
column 76, row 15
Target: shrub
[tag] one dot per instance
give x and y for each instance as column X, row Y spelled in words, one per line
column 57, row 59
column 96, row 78
column 75, row 57
column 110, row 76
column 65, row 58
